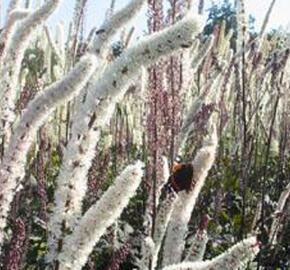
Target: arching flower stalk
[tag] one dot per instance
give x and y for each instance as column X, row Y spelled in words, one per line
column 37, row 111
column 95, row 114
column 13, row 17
column 233, row 259
column 150, row 249
column 12, row 166
column 79, row 245
column 77, row 149
column 107, row 31
column 11, row 63
column 184, row 206
column 103, row 38
column 162, row 220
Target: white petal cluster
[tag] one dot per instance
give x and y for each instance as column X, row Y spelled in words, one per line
column 177, row 228
column 14, row 16
column 12, row 167
column 99, row 217
column 112, row 26
column 233, row 259
column 97, row 110
column 11, row 62
column 162, row 220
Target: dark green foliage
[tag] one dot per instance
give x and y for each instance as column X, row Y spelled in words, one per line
column 225, row 12
column 219, row 13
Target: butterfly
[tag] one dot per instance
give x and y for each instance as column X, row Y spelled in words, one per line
column 181, row 177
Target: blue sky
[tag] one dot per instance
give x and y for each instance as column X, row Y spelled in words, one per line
column 96, row 11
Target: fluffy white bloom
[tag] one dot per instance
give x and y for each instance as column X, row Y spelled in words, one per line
column 147, row 250
column 184, row 206
column 13, row 18
column 110, row 27
column 96, row 112
column 162, row 220
column 11, row 62
column 202, row 53
column 72, row 167
column 12, row 167
column 79, row 245
column 232, row 259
